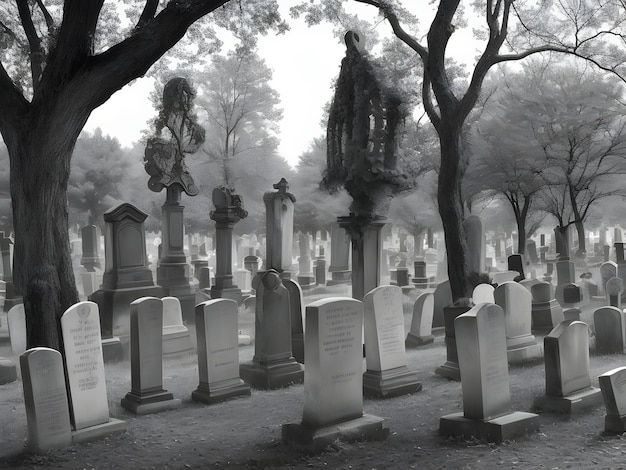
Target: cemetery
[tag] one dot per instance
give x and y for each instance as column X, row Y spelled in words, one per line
column 437, row 282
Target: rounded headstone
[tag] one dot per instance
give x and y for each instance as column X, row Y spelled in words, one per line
column 614, row 286
column 541, row 292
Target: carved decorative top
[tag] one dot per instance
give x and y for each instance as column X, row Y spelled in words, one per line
column 164, row 157
column 282, row 186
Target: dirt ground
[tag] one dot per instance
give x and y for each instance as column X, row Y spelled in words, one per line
column 246, row 432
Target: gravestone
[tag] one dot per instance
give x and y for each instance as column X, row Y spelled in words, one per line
column 608, row 270
column 218, row 353
column 146, row 360
column 546, row 311
column 45, row 399
column 475, row 235
column 296, row 315
column 483, row 293
column 516, row 263
column 11, row 298
column 442, row 298
column 614, row 289
column 273, row 365
column 486, row 412
column 387, row 374
column 610, row 327
column 421, row 322
column 613, row 386
column 16, row 321
column 450, row 369
column 420, row 279
column 333, row 393
column 516, row 302
column 531, row 250
column 91, row 242
column 80, row 327
column 306, row 279
column 568, row 384
column 127, row 276
column 176, row 336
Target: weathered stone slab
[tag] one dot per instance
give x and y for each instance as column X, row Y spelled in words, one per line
column 421, row 322
column 613, row 386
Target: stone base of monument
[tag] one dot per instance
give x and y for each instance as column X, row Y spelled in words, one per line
column 365, row 428
column 502, row 428
column 297, row 347
column 572, row 314
column 220, row 391
column 112, row 349
column 414, row 341
column 268, row 376
column 420, row 282
column 99, row 430
column 148, row 403
column 616, row 424
column 523, row 354
column 307, row 281
column 339, row 277
column 176, row 339
column 232, row 293
column 571, row 404
column 8, row 371
column 449, row 370
column 390, row 383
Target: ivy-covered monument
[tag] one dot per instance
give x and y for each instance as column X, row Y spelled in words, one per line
column 365, row 126
column 177, row 133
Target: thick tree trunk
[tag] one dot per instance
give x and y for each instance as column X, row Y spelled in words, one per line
column 521, row 234
column 451, row 210
column 43, row 275
column 580, row 232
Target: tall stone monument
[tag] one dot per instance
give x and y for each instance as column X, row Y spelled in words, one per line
column 339, row 268
column 164, row 162
column 279, row 207
column 228, row 211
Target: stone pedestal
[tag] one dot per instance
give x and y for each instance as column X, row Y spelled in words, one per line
column 339, row 268
column 228, row 211
column 173, row 272
column 279, row 209
column 450, row 369
column 11, row 299
column 421, row 279
column 498, row 430
column 367, row 244
column 91, row 241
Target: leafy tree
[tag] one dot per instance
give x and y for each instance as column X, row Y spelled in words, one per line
column 59, row 61
column 99, row 170
column 512, row 30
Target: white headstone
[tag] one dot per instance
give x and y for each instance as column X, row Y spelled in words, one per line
column 613, row 385
column 483, row 293
column 481, row 345
column 80, row 325
column 384, row 328
column 333, row 379
column 422, row 320
column 45, row 399
column 516, row 302
column 16, row 321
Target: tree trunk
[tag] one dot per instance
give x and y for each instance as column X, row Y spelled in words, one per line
column 43, row 275
column 521, row 234
column 451, row 209
column 580, row 232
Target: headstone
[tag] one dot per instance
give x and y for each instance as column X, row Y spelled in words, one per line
column 614, row 289
column 546, row 311
column 296, row 315
column 91, row 242
column 475, row 234
column 176, row 336
column 387, row 374
column 333, row 394
column 218, row 353
column 516, row 302
column 610, row 327
column 127, row 276
column 45, row 399
column 485, row 380
column 568, row 384
column 483, row 293
column 608, row 270
column 531, row 251
column 613, row 386
column 516, row 263
column 16, row 321
column 305, row 264
column 442, row 298
column 80, row 327
column 421, row 322
column 273, row 365
column 11, row 298
column 420, row 279
column 146, row 360
column 450, row 369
